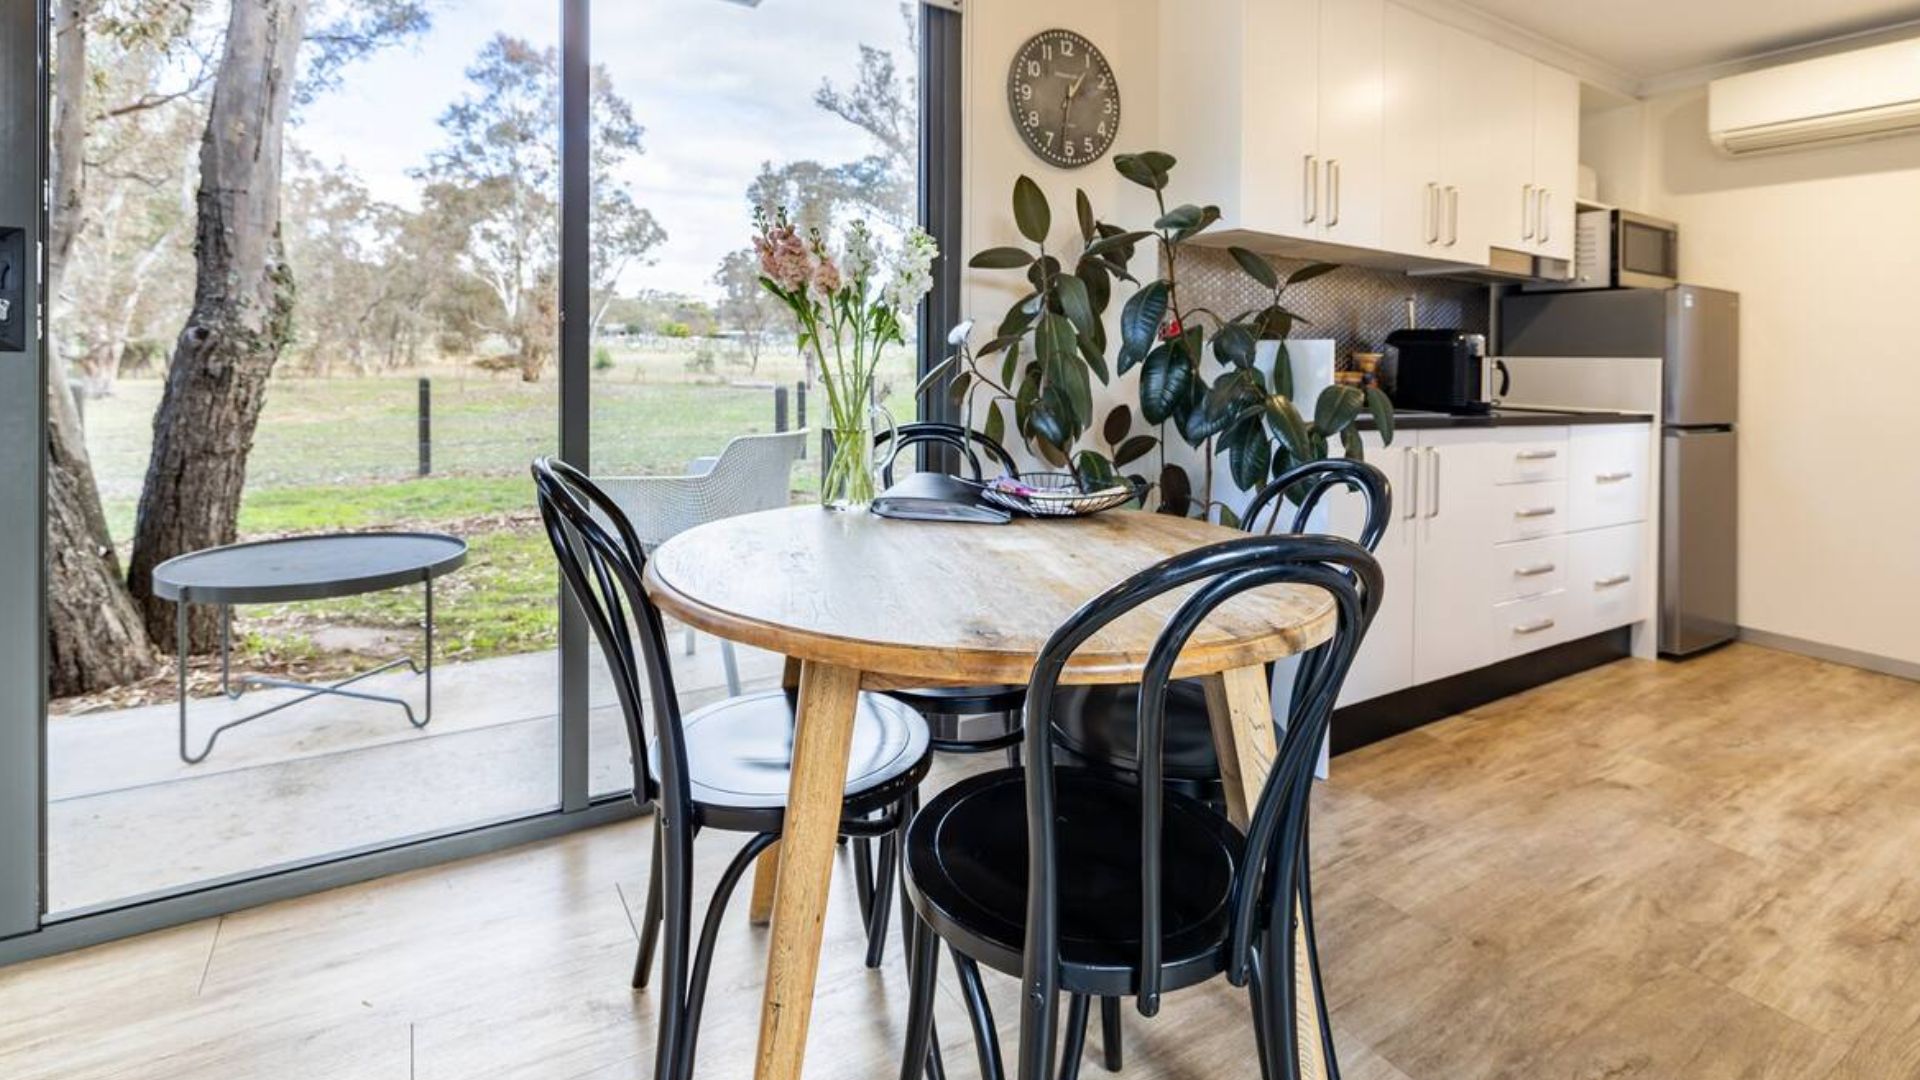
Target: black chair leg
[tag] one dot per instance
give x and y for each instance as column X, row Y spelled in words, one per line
column 677, row 840
column 1257, row 1005
column 1076, row 1041
column 649, row 917
column 923, row 966
column 882, row 907
column 986, row 1039
column 709, row 935
column 1110, row 1033
column 863, row 876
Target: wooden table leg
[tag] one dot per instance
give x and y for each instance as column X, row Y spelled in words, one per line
column 1241, row 712
column 767, row 866
column 822, row 740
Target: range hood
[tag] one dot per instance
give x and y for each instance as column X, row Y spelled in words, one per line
column 1505, row 265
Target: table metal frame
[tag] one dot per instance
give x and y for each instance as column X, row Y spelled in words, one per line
column 183, row 648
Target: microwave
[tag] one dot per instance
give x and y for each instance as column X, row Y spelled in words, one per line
column 1619, row 249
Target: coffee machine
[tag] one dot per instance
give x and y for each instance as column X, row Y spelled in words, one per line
column 1442, row 371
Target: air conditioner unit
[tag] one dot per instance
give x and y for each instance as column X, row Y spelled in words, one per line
column 1865, row 94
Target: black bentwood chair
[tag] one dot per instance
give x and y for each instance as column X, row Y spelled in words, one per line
column 944, row 706
column 1099, row 884
column 1095, row 724
column 724, row 766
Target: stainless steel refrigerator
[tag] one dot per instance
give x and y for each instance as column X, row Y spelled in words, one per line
column 1696, row 333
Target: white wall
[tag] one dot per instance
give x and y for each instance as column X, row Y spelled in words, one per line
column 994, row 155
column 1824, row 247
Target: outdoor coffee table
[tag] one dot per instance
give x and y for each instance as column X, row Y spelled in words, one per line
column 294, row 569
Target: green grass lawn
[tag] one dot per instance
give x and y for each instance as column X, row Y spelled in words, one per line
column 341, row 454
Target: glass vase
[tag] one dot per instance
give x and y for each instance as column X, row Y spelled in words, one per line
column 850, row 480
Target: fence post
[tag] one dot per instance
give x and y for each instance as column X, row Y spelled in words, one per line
column 800, row 411
column 779, row 408
column 426, row 425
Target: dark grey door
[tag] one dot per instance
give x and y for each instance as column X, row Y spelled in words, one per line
column 22, row 442
column 1699, row 533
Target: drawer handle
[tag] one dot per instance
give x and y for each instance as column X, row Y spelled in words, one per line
column 1613, row 477
column 1534, row 627
column 1536, row 512
column 1610, row 582
column 1536, row 455
column 1536, row 570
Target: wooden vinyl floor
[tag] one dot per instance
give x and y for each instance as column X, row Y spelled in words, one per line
column 1703, row 870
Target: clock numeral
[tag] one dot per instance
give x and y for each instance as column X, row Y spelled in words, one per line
column 1049, row 136
column 1033, row 120
column 1033, row 68
column 1106, row 106
column 1026, row 91
column 1087, row 142
column 1066, row 48
column 1101, row 130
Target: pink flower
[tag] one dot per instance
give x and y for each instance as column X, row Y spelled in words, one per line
column 784, row 258
column 826, row 277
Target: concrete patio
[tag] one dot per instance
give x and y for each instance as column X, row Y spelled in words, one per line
column 126, row 818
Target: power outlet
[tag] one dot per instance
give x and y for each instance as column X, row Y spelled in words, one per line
column 13, row 290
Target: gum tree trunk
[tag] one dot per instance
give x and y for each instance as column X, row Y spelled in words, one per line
column 241, row 317
column 94, row 633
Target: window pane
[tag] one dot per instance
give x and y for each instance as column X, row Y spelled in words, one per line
column 811, row 108
column 413, row 380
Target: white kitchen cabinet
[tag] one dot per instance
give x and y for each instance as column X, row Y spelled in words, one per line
column 1607, row 582
column 1283, row 129
column 1386, row 661
column 1530, row 168
column 1460, row 518
column 1556, row 159
column 1609, row 472
column 1431, row 205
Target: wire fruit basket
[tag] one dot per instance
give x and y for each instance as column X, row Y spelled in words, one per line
column 1056, row 494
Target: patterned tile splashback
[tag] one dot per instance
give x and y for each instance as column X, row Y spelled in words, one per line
column 1357, row 307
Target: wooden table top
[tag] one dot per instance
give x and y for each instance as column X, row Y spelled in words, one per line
column 935, row 602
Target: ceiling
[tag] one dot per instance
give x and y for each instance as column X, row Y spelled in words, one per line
column 1647, row 39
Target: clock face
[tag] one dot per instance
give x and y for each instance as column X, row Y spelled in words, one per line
column 1065, row 102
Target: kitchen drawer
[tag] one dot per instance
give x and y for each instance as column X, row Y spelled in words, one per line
column 1529, row 568
column 1608, row 475
column 1521, row 626
column 1540, row 455
column 1606, row 578
column 1528, row 511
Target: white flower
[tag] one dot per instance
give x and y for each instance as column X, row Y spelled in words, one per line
column 860, row 257
column 912, row 271
column 960, row 333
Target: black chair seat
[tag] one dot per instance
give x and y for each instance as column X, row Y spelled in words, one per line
column 740, row 755
column 1099, row 727
column 967, row 874
column 963, row 700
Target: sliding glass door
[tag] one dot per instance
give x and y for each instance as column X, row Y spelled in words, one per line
column 460, row 243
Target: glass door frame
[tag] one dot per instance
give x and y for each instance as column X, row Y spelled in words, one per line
column 25, row 930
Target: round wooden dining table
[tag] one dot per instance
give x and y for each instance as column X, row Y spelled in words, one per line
column 859, row 602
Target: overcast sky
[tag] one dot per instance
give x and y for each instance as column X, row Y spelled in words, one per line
column 719, row 87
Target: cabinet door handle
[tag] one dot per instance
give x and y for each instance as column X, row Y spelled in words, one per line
column 1536, row 455
column 1333, row 192
column 1410, row 472
column 1612, row 477
column 1431, row 233
column 1534, row 627
column 1310, row 190
column 1536, row 570
column 1526, row 212
column 1433, row 454
column 1453, row 215
column 1610, row 582
column 1546, row 220
column 1536, row 511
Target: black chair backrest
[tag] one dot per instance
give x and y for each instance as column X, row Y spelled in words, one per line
column 603, row 569
column 963, row 441
column 1306, row 484
column 1216, row 573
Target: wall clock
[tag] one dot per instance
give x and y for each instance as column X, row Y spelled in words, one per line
column 1065, row 102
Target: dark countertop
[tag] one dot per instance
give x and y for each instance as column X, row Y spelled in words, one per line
column 1418, row 421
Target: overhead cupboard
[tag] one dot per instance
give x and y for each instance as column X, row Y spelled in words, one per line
column 1362, row 127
